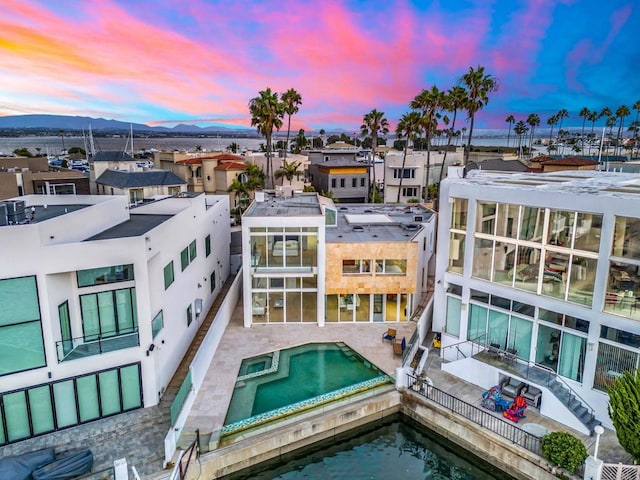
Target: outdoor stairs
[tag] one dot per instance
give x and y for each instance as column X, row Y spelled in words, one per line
column 182, row 370
column 574, row 404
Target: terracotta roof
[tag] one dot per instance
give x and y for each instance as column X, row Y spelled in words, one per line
column 231, row 166
column 534, row 170
column 570, row 161
column 228, row 157
column 190, row 161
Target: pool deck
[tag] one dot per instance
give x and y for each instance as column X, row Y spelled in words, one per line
column 211, row 403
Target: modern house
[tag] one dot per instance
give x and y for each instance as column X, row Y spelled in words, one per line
column 337, row 170
column 542, row 270
column 325, row 263
column 103, row 304
column 26, row 176
column 140, row 186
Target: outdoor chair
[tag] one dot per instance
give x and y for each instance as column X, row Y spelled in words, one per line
column 512, row 387
column 533, row 395
column 399, row 347
column 389, row 335
column 494, row 349
column 511, row 354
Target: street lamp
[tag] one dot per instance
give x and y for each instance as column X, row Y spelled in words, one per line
column 598, row 431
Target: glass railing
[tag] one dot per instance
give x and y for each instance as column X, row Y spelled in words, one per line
column 80, row 347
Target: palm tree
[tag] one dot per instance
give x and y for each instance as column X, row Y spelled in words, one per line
column 288, row 171
column 621, row 112
column 291, row 100
column 636, row 107
column 409, row 126
column 592, row 117
column 584, row 113
column 520, row 129
column 605, row 113
column 562, row 114
column 552, row 121
column 245, row 184
column 479, row 84
column 266, row 114
column 429, row 102
column 300, row 140
column 510, row 120
column 533, row 120
column 454, row 100
column 374, row 123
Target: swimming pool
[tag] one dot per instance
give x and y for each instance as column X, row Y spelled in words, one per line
column 289, row 381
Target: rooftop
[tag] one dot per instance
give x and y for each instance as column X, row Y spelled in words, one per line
column 46, row 212
column 113, row 156
column 137, row 179
column 379, row 222
column 138, row 224
column 575, row 182
column 301, row 204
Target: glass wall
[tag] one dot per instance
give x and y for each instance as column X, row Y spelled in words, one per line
column 618, row 352
column 284, row 247
column 511, row 248
column 58, row 405
column 108, row 314
column 102, row 275
column 21, row 342
column 284, row 299
column 458, row 235
column 623, row 284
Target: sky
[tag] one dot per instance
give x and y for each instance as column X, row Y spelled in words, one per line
column 163, row 62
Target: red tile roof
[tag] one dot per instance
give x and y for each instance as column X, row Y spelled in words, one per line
column 231, row 166
column 570, row 161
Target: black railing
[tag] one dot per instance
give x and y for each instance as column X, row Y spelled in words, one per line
column 475, row 414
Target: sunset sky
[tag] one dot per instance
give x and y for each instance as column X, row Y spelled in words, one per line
column 163, row 62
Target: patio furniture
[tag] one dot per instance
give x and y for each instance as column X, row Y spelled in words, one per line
column 399, row 347
column 512, row 387
column 516, row 410
column 494, row 349
column 511, row 355
column 389, row 335
column 533, row 395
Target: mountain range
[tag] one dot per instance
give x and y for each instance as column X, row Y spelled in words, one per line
column 65, row 122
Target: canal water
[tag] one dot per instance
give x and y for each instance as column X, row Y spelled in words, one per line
column 397, row 449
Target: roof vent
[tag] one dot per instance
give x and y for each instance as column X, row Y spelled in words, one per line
column 411, row 226
column 368, row 210
column 358, row 228
column 343, row 209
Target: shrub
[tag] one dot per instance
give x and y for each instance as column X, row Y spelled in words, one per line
column 564, row 450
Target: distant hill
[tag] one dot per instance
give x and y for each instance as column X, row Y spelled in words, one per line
column 64, row 122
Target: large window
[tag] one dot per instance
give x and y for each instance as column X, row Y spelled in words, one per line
column 108, row 314
column 618, row 352
column 168, row 274
column 452, row 325
column 21, row 343
column 184, row 258
column 37, row 410
column 623, row 287
column 207, row 245
column 102, row 275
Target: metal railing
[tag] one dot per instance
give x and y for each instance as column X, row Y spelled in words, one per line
column 79, row 347
column 475, row 414
column 532, row 371
column 184, row 460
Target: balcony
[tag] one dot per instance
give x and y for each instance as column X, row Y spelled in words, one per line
column 80, row 347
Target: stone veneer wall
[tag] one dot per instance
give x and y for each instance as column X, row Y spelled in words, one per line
column 337, row 283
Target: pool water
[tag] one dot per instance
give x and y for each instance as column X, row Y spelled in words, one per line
column 395, row 448
column 301, row 377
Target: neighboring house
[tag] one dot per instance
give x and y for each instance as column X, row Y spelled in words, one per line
column 103, row 304
column 415, row 171
column 25, row 176
column 139, row 186
column 546, row 164
column 112, row 160
column 499, row 165
column 545, row 268
column 336, row 170
column 327, row 263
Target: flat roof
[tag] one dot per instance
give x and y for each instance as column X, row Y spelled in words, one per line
column 138, row 224
column 48, row 212
column 300, row 204
column 377, row 222
column 576, row 182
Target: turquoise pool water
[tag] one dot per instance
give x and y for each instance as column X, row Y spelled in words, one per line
column 395, row 449
column 292, row 380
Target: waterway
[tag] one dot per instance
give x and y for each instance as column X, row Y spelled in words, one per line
column 395, row 449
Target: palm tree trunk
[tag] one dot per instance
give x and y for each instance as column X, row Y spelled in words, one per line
column 286, row 147
column 374, row 144
column 509, row 135
column 270, row 164
column 468, row 149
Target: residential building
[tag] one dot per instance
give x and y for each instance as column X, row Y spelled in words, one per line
column 26, row 176
column 546, row 164
column 103, row 303
column 325, row 263
column 337, row 170
column 542, row 268
column 113, row 160
column 140, row 186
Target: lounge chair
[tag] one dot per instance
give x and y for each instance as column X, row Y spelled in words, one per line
column 512, row 387
column 399, row 347
column 389, row 335
column 533, row 395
